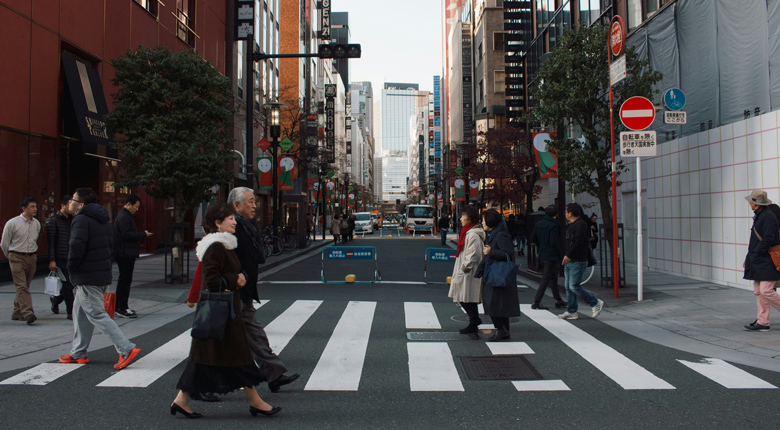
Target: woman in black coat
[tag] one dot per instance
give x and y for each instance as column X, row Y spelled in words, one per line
column 500, row 303
column 759, row 266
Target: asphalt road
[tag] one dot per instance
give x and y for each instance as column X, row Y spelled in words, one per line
column 383, row 396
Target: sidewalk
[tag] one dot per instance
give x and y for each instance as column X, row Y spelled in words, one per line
column 156, row 302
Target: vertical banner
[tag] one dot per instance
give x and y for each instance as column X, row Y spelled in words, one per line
column 286, row 166
column 265, row 176
column 546, row 160
column 329, row 190
column 473, row 189
column 460, row 189
column 315, row 185
column 343, row 199
column 351, row 201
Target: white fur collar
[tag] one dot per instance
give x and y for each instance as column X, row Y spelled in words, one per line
column 226, row 239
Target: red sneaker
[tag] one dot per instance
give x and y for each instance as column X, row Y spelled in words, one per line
column 125, row 360
column 69, row 359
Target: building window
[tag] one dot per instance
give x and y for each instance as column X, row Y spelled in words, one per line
column 185, row 22
column 498, row 41
column 479, row 53
column 634, row 13
column 151, row 6
column 498, row 81
column 240, row 70
column 481, row 90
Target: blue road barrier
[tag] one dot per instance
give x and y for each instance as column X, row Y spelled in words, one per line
column 440, row 255
column 349, row 253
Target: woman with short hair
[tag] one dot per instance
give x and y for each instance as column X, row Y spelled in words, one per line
column 224, row 365
column 464, row 287
column 501, row 303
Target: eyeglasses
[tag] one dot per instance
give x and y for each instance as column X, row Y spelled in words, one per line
column 77, row 201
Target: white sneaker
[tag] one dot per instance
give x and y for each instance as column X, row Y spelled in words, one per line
column 568, row 316
column 597, row 308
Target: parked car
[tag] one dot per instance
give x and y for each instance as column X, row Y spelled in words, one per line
column 364, row 223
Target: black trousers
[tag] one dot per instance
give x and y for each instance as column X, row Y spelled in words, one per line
column 67, row 293
column 472, row 310
column 501, row 323
column 549, row 279
column 126, row 267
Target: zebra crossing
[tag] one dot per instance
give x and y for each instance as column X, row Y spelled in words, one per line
column 432, row 365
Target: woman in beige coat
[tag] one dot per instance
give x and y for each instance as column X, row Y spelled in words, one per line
column 464, row 287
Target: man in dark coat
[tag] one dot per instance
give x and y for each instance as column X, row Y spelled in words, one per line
column 58, row 236
column 444, row 225
column 250, row 253
column 575, row 262
column 547, row 238
column 126, row 238
column 759, row 266
column 89, row 264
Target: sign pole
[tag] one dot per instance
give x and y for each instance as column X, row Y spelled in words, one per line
column 615, row 45
column 639, row 259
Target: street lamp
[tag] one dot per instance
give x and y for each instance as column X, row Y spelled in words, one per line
column 275, row 130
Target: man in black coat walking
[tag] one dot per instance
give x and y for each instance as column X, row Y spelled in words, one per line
column 89, row 264
column 575, row 262
column 547, row 238
column 444, row 225
column 250, row 253
column 126, row 238
column 58, row 236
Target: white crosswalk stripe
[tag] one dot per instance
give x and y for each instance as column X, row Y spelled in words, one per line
column 431, row 364
column 341, row 364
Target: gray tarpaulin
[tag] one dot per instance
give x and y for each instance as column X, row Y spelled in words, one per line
column 721, row 53
column 774, row 53
column 743, row 58
column 697, row 34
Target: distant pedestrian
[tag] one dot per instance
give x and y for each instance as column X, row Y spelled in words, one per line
column 501, row 303
column 444, row 226
column 759, row 266
column 464, row 287
column 309, row 226
column 344, row 227
column 19, row 244
column 520, row 231
column 224, row 365
column 89, row 264
column 594, row 231
column 350, row 226
column 58, row 237
column 335, row 229
column 126, row 239
column 575, row 262
column 547, row 238
column 250, row 253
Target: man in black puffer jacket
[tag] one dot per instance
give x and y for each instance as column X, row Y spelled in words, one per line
column 58, row 237
column 89, row 263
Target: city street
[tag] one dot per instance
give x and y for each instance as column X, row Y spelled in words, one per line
column 387, row 355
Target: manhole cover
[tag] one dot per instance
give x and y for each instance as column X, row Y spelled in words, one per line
column 506, row 367
column 429, row 335
column 485, row 318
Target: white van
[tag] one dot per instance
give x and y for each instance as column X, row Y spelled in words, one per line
column 364, row 223
column 419, row 218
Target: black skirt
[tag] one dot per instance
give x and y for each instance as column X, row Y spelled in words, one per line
column 203, row 378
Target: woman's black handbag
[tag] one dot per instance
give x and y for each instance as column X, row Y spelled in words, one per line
column 213, row 312
column 500, row 274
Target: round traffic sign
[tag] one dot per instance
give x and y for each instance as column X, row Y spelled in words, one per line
column 674, row 99
column 350, row 254
column 637, row 113
column 617, row 38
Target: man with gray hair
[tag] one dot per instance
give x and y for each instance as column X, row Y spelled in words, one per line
column 250, row 252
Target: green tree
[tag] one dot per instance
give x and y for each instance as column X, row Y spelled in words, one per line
column 572, row 87
column 171, row 114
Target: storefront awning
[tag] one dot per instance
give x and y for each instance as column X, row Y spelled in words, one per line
column 89, row 107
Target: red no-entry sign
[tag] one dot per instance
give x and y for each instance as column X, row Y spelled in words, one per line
column 637, row 113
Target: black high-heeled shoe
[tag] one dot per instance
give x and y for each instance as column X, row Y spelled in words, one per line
column 176, row 408
column 254, row 411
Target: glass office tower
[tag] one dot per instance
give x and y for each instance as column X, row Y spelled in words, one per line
column 399, row 105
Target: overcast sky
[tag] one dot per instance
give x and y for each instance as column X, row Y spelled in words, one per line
column 400, row 39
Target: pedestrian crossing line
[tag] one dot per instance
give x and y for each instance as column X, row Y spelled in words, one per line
column 542, row 385
column 420, row 315
column 432, row 368
column 341, row 363
column 152, row 366
column 41, row 374
column 509, row 348
column 258, row 305
column 481, row 310
column 282, row 329
column 615, row 365
column 726, row 374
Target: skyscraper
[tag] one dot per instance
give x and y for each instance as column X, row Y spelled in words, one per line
column 399, row 107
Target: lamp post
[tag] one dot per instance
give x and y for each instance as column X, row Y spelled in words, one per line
column 275, row 130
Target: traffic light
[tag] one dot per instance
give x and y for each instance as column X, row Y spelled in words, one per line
column 339, row 50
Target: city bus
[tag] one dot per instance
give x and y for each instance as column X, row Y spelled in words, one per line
column 419, row 218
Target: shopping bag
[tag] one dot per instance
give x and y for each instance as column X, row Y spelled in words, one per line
column 109, row 302
column 500, row 274
column 52, row 284
column 214, row 311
